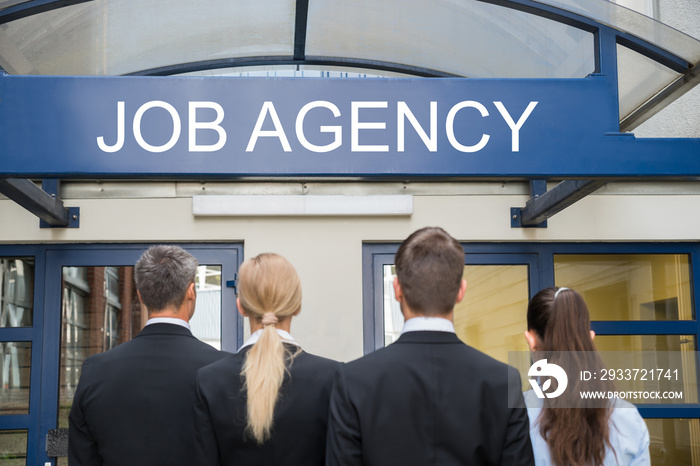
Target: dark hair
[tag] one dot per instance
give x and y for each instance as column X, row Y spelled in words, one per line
column 576, row 434
column 429, row 266
column 162, row 275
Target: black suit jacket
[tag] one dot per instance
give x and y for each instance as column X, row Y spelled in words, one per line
column 133, row 405
column 300, row 419
column 427, row 399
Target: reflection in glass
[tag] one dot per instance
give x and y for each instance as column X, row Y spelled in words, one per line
column 294, row 71
column 492, row 316
column 15, row 370
column 629, row 286
column 13, row 447
column 473, row 39
column 657, row 352
column 103, row 37
column 16, row 292
column 206, row 321
column 101, row 310
column 639, row 78
column 393, row 319
column 674, row 441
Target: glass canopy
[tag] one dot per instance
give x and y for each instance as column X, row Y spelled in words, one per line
column 464, row 38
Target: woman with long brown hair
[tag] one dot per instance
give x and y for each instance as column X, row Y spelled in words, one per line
column 567, row 430
column 268, row 403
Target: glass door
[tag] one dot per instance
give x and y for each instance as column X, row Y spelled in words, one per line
column 20, row 364
column 92, row 306
column 491, row 317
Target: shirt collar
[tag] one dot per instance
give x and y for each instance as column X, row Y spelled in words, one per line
column 432, row 324
column 169, row 320
column 286, row 338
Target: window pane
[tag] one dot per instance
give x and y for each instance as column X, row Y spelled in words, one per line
column 629, row 286
column 393, row 319
column 111, row 38
column 474, row 39
column 206, row 321
column 657, row 352
column 16, row 292
column 13, row 447
column 100, row 310
column 492, row 316
column 674, row 441
column 639, row 78
column 15, row 370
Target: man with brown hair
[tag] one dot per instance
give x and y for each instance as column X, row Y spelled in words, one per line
column 428, row 398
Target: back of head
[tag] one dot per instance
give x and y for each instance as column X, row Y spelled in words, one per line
column 269, row 283
column 576, row 434
column 162, row 275
column 429, row 266
column 269, row 290
column 561, row 323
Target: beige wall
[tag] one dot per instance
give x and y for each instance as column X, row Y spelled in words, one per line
column 327, row 251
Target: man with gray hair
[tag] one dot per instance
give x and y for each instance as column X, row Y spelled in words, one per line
column 133, row 405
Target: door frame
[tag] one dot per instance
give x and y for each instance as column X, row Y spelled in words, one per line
column 45, row 333
column 376, row 256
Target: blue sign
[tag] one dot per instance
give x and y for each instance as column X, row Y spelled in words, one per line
column 232, row 127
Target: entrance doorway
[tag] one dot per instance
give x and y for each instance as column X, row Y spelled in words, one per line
column 63, row 303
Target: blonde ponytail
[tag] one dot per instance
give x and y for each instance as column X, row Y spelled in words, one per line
column 269, row 290
column 263, row 372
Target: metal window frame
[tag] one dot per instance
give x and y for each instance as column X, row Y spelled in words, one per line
column 376, row 255
column 45, row 334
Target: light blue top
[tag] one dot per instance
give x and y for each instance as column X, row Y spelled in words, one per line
column 629, row 435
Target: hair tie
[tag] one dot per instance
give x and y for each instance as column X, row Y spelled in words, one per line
column 269, row 318
column 559, row 291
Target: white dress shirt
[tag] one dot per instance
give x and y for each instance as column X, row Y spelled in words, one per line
column 431, row 324
column 286, row 338
column 169, row 320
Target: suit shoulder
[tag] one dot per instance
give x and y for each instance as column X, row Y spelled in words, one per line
column 374, row 359
column 312, row 365
column 319, row 360
column 460, row 354
column 227, row 362
column 106, row 356
column 206, row 348
column 483, row 359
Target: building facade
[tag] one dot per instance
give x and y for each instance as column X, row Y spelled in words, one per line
column 337, row 204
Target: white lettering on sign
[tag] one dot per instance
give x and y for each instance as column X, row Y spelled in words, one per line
column 336, row 130
column 515, row 127
column 356, row 125
column 120, row 132
column 360, row 122
column 450, row 126
column 403, row 112
column 214, row 125
column 278, row 132
column 177, row 126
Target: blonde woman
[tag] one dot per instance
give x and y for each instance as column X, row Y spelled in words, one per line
column 268, row 403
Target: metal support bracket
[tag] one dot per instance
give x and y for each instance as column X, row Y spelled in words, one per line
column 543, row 206
column 537, row 189
column 48, row 207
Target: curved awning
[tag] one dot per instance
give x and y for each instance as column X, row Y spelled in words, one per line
column 465, row 38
